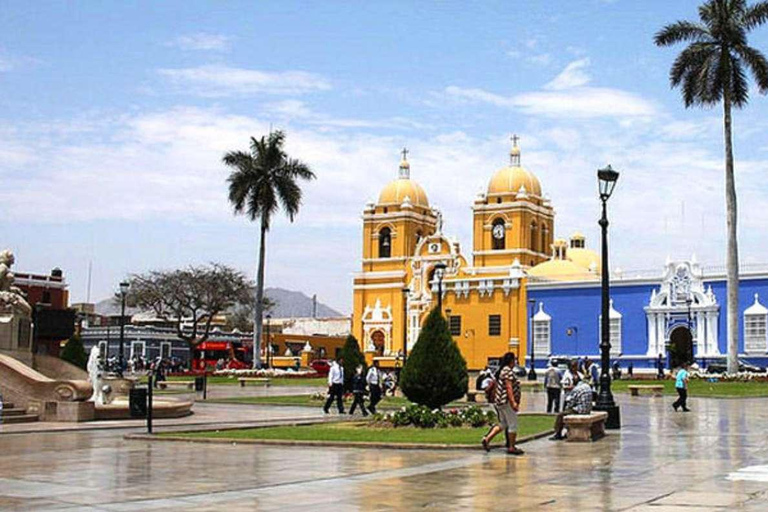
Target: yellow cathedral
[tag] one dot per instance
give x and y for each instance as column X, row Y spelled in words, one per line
column 484, row 299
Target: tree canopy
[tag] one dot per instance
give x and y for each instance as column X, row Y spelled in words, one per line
column 435, row 372
column 193, row 296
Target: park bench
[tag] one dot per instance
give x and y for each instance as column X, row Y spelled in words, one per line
column 655, row 389
column 164, row 384
column 256, row 380
column 585, row 427
column 473, row 394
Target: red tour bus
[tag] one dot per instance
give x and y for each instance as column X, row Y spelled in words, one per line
column 207, row 354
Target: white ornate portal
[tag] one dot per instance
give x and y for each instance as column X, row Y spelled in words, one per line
column 681, row 293
column 377, row 320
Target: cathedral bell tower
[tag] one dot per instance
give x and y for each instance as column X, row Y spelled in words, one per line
column 512, row 220
column 394, row 225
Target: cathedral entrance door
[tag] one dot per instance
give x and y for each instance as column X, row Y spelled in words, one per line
column 680, row 346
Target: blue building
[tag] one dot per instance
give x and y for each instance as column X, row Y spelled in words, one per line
column 679, row 313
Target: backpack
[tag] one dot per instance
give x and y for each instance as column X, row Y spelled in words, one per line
column 490, row 389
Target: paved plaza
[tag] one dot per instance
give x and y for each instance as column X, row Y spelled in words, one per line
column 715, row 458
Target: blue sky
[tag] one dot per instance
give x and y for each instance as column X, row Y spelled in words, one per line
column 114, row 118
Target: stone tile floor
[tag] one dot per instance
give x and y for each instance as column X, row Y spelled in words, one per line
column 715, row 458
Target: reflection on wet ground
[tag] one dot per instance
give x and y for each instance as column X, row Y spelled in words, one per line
column 714, row 458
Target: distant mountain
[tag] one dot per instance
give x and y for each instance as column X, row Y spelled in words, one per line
column 111, row 307
column 290, row 304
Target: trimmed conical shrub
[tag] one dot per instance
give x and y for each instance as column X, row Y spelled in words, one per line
column 352, row 359
column 74, row 352
column 435, row 372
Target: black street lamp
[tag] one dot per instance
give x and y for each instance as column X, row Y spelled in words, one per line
column 439, row 272
column 532, row 372
column 406, row 291
column 124, row 286
column 607, row 181
column 269, row 342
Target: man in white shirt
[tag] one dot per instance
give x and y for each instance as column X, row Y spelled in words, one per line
column 335, row 386
column 373, row 378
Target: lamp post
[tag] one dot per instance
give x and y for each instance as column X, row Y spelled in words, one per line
column 532, row 372
column 124, row 286
column 269, row 342
column 607, row 181
column 439, row 271
column 406, row 291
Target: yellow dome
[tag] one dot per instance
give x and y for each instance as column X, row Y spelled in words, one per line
column 508, row 180
column 561, row 270
column 396, row 192
column 586, row 258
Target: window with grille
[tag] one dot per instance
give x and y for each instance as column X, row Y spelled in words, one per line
column 542, row 337
column 614, row 335
column 455, row 325
column 494, row 325
column 755, row 333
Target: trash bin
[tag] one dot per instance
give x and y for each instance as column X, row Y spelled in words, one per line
column 137, row 402
column 199, row 384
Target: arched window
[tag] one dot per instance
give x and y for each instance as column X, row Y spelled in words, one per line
column 385, row 243
column 498, row 234
column 544, row 235
column 534, row 241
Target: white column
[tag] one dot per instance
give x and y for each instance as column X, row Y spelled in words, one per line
column 652, row 335
column 701, row 347
column 714, row 349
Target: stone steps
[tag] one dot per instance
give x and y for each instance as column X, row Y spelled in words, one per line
column 13, row 411
column 12, row 414
column 21, row 418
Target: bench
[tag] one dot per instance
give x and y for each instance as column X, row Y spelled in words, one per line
column 473, row 394
column 164, row 384
column 655, row 389
column 585, row 427
column 256, row 380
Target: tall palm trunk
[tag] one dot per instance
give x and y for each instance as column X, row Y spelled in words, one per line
column 258, row 309
column 732, row 258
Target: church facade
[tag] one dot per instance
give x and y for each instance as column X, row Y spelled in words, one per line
column 523, row 290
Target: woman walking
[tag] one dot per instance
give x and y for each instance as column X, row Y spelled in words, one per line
column 507, row 403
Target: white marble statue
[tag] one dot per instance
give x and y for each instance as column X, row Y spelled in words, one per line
column 11, row 297
column 94, row 375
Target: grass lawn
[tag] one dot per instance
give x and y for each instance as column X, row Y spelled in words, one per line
column 275, row 381
column 389, row 402
column 359, row 432
column 702, row 388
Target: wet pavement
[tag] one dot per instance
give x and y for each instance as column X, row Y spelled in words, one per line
column 714, row 458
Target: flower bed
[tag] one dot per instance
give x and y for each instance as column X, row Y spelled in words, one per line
column 276, row 372
column 730, row 377
column 422, row 417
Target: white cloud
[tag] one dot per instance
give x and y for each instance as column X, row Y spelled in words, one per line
column 574, row 75
column 10, row 62
column 202, row 41
column 583, row 102
column 222, row 81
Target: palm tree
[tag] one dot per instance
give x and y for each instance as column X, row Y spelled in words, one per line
column 710, row 70
column 262, row 182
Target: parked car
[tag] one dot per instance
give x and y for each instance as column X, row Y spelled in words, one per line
column 321, row 366
column 721, row 364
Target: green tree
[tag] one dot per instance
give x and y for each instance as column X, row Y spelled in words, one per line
column 263, row 181
column 74, row 352
column 713, row 69
column 352, row 359
column 435, row 372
